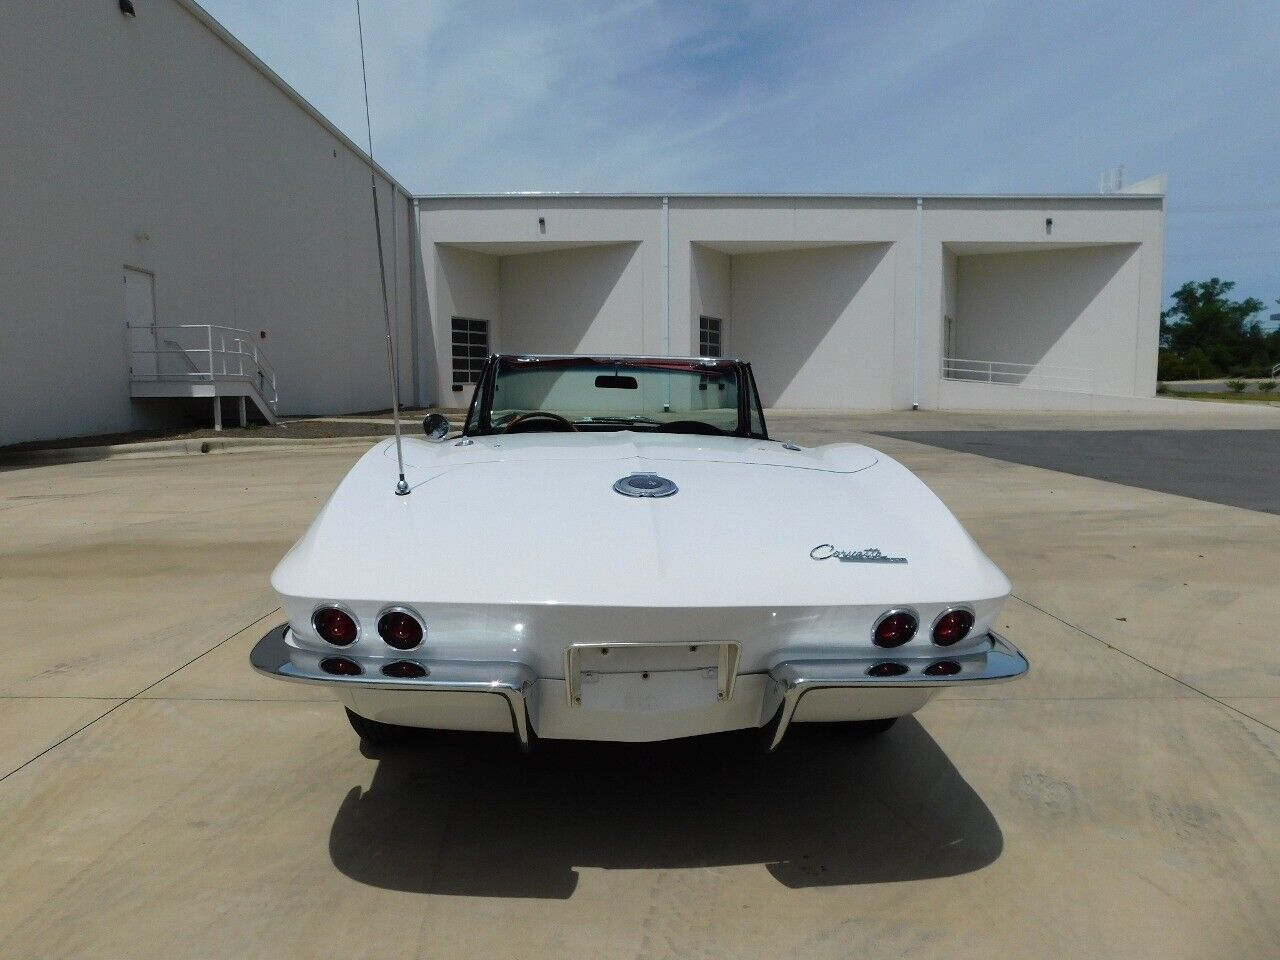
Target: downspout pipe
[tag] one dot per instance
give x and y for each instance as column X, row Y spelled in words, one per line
column 919, row 304
column 395, row 266
column 666, row 274
column 414, row 252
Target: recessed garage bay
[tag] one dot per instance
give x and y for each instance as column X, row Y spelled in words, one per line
column 839, row 302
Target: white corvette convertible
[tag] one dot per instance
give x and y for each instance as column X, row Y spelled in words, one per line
column 614, row 549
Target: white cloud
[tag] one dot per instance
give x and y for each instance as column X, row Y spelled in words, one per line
column 875, row 95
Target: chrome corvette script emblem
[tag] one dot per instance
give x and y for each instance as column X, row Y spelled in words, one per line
column 827, row 551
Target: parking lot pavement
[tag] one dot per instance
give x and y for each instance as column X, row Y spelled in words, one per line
column 788, row 424
column 1236, row 467
column 160, row 800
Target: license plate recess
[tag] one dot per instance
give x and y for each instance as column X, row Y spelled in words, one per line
column 650, row 659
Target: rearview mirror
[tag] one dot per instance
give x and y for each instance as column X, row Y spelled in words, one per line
column 435, row 426
column 605, row 382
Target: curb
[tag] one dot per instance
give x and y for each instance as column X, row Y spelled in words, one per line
column 155, row 449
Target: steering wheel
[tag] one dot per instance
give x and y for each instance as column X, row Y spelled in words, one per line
column 524, row 418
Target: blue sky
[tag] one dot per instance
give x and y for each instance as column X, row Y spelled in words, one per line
column 646, row 95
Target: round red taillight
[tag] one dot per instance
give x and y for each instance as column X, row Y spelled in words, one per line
column 952, row 627
column 895, row 628
column 340, row 667
column 943, row 668
column 400, row 629
column 336, row 626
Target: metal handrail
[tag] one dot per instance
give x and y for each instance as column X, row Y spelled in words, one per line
column 228, row 353
column 1006, row 373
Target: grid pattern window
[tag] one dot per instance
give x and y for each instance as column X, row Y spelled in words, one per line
column 710, row 337
column 470, row 348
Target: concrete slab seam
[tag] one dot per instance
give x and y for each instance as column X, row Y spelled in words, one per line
column 135, row 696
column 1149, row 666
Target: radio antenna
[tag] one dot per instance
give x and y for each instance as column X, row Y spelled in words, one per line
column 402, row 485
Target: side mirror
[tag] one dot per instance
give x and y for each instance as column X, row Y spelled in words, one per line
column 435, row 426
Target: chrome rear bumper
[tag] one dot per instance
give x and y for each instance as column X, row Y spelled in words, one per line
column 995, row 661
column 273, row 657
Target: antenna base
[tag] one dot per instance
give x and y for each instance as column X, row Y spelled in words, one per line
column 402, row 487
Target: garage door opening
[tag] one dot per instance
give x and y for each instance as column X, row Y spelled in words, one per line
column 815, row 320
column 1032, row 315
column 526, row 298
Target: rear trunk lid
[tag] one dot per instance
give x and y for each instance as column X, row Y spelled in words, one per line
column 535, row 520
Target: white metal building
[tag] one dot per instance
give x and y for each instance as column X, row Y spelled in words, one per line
column 840, row 302
column 180, row 225
column 156, row 173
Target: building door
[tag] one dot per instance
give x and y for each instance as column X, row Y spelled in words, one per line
column 140, row 317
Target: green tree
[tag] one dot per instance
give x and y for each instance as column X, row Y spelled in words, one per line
column 1199, row 364
column 1207, row 329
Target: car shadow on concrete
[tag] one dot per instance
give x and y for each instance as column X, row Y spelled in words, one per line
column 465, row 814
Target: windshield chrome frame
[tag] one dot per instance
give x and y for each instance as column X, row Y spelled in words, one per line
column 479, row 423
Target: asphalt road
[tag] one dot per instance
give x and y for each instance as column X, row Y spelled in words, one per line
column 1239, row 468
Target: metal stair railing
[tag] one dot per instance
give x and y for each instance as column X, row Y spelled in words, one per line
column 1030, row 375
column 209, row 353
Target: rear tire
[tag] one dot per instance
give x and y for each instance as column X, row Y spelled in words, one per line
column 376, row 733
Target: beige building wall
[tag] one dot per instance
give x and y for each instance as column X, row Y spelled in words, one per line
column 1052, row 308
column 818, row 325
column 584, row 300
column 549, row 273
column 156, row 143
column 840, row 302
column 462, row 283
column 711, row 293
column 1119, row 350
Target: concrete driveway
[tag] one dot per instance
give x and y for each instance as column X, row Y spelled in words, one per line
column 160, row 800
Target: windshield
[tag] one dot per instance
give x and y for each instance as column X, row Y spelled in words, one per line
column 677, row 396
